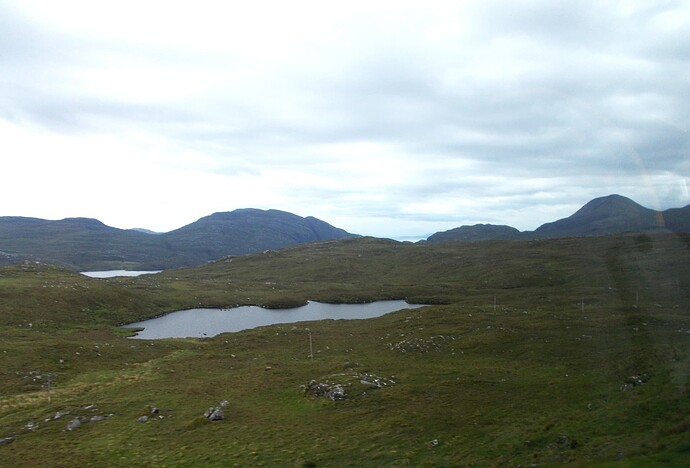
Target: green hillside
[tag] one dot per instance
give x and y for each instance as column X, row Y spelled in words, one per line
column 77, row 243
column 534, row 352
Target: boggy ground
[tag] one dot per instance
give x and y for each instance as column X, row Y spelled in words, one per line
column 541, row 352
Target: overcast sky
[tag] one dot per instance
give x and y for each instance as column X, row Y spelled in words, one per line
column 385, row 118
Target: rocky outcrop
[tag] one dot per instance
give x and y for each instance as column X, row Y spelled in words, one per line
column 216, row 413
column 320, row 389
column 75, row 423
column 339, row 387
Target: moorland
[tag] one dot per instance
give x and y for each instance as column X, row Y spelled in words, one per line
column 531, row 352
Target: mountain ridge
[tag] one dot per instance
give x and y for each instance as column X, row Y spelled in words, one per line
column 604, row 215
column 88, row 244
column 611, row 214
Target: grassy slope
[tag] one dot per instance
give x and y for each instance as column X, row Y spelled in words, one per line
column 535, row 379
column 80, row 243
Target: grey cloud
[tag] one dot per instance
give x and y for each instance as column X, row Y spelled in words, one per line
column 535, row 103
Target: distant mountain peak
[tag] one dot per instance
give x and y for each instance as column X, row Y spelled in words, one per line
column 146, row 231
column 610, row 214
column 476, row 232
column 249, row 230
column 604, row 215
column 608, row 205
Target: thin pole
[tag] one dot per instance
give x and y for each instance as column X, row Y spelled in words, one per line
column 49, row 382
column 311, row 350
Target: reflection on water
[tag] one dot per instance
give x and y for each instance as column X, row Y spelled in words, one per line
column 113, row 273
column 211, row 322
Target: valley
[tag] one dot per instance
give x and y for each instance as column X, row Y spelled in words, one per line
column 545, row 352
column 362, row 234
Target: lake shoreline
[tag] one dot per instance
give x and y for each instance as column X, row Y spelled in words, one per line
column 209, row 322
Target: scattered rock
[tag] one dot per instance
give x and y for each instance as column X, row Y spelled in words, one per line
column 637, row 380
column 30, row 426
column 567, row 442
column 143, row 419
column 373, row 380
column 316, row 389
column 60, row 414
column 433, row 443
column 154, row 410
column 421, row 345
column 633, row 381
column 97, row 418
column 6, row 440
column 216, row 415
column 340, row 386
column 74, row 424
column 337, row 392
column 333, row 391
column 90, row 407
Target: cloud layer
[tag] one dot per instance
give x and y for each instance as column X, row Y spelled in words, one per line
column 391, row 119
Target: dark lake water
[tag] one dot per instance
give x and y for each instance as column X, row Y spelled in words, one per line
column 199, row 323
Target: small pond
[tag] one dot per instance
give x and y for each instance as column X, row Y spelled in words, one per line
column 199, row 323
column 113, row 273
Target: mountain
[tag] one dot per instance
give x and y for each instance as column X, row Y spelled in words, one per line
column 605, row 215
column 476, row 232
column 245, row 231
column 88, row 244
column 145, row 231
column 77, row 243
column 677, row 219
column 611, row 214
